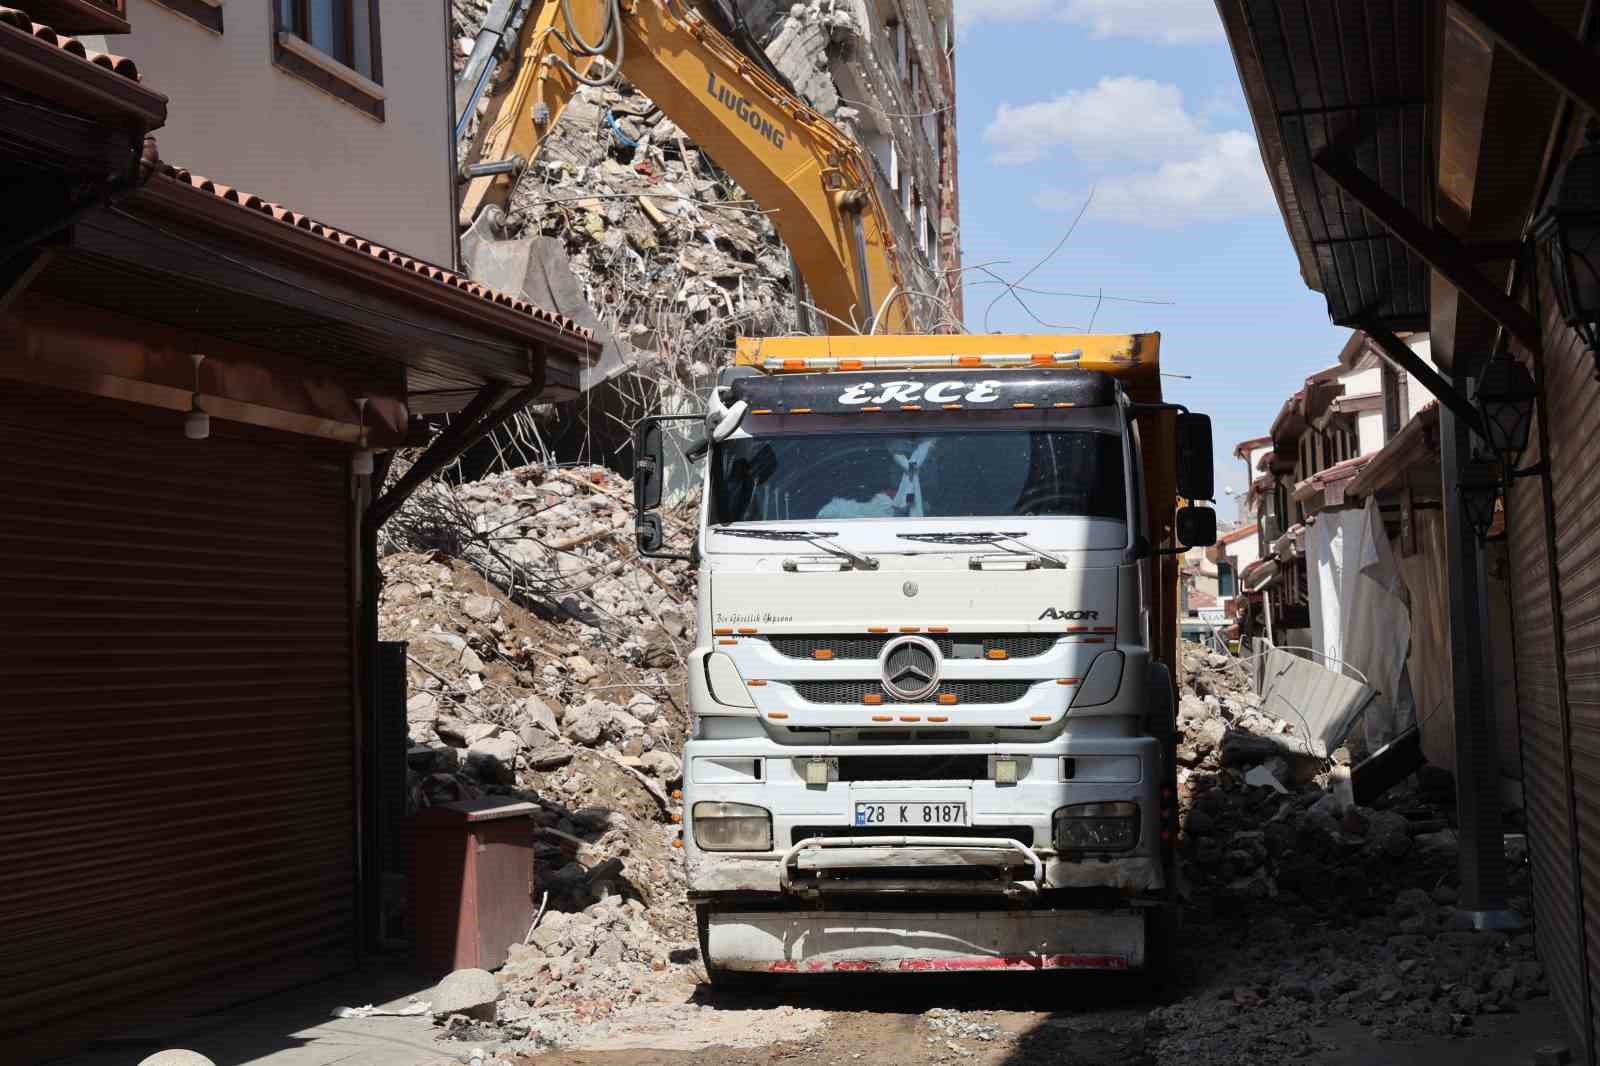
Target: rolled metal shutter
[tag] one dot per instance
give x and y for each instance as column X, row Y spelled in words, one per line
column 1546, row 787
column 1574, row 414
column 177, row 673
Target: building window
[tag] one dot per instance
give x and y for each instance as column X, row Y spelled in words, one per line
column 1225, row 586
column 922, row 226
column 334, row 45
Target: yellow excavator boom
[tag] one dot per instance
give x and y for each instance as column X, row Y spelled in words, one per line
column 812, row 178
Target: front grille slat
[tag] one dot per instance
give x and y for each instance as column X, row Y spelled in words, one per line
column 963, row 691
column 854, row 646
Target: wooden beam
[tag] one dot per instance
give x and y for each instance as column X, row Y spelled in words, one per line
column 1437, row 247
column 1400, row 354
column 477, row 420
column 456, row 438
column 1543, row 44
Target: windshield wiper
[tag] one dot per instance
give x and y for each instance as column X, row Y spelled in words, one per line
column 998, row 540
column 807, row 536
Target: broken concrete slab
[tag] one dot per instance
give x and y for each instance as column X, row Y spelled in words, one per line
column 471, row 992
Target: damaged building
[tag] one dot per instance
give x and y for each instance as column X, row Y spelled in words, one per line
column 632, row 228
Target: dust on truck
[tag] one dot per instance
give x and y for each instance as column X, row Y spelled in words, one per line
column 932, row 695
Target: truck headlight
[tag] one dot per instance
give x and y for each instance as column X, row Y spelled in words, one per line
column 731, row 827
column 1097, row 827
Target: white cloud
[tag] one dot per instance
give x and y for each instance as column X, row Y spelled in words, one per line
column 1225, row 180
column 1151, row 159
column 1120, row 117
column 1159, row 21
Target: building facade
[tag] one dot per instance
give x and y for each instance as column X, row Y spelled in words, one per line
column 884, row 70
column 340, row 107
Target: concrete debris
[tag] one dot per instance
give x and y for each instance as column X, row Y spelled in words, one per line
column 1358, row 903
column 571, row 714
column 670, row 255
column 469, row 992
column 945, row 1023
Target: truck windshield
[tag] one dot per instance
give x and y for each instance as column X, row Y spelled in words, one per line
column 970, row 474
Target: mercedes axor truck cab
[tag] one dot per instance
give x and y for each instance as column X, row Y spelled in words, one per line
column 932, row 694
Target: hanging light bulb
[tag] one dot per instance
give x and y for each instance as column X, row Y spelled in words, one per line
column 361, row 461
column 196, row 424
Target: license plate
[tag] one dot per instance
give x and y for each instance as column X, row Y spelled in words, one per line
column 870, row 814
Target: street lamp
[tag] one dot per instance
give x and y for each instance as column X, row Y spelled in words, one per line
column 1479, row 485
column 1505, row 399
column 1569, row 229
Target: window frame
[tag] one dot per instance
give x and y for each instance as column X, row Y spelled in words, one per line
column 294, row 53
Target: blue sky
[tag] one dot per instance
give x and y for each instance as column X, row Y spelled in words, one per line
column 1139, row 101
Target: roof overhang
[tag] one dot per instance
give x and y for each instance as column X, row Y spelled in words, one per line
column 1410, row 458
column 1243, row 449
column 1376, row 114
column 183, row 257
column 1290, row 422
column 59, row 71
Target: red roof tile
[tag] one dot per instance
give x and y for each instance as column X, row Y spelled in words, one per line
column 10, row 16
column 363, row 246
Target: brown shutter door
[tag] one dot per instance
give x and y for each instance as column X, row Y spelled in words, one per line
column 1573, row 398
column 176, row 683
column 1546, row 786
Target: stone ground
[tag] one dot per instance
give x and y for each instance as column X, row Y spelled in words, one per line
column 1004, row 1020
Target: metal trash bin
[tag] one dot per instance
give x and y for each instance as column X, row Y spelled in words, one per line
column 471, row 882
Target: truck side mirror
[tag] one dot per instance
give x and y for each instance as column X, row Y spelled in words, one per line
column 1196, row 527
column 648, row 533
column 1196, row 479
column 648, row 464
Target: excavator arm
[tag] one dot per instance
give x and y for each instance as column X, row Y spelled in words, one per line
column 796, row 164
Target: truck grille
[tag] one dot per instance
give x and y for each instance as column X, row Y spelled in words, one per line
column 963, row 691
column 848, row 646
column 1022, row 834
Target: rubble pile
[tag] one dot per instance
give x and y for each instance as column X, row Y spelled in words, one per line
column 557, row 678
column 676, row 259
column 672, row 254
column 1303, row 907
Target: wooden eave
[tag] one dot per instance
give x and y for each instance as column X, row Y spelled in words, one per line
column 1354, row 77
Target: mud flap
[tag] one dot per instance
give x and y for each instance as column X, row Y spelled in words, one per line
column 924, row 942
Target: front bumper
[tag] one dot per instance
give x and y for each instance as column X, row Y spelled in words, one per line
column 925, row 942
column 862, row 864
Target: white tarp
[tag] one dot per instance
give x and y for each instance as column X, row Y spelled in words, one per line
column 1360, row 624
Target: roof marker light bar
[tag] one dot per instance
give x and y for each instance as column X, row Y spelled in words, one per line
column 935, row 362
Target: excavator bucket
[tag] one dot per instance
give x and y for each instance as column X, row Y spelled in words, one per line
column 538, row 268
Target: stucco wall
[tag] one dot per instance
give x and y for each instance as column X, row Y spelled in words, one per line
column 239, row 119
column 1417, row 396
column 1369, row 431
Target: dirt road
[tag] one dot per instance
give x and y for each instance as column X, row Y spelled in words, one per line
column 1015, row 1022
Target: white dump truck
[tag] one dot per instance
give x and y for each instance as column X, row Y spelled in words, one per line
column 934, row 714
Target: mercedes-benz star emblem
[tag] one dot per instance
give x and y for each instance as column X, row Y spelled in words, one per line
column 910, row 667
column 909, row 588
